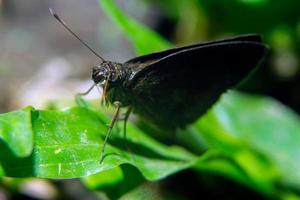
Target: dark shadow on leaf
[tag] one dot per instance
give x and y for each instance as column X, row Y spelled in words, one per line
column 137, row 149
column 132, row 178
column 14, row 166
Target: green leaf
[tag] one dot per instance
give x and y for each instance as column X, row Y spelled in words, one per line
column 16, row 131
column 260, row 124
column 144, row 39
column 68, row 144
column 235, row 166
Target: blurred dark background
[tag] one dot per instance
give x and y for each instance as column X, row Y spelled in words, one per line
column 35, row 46
column 40, row 61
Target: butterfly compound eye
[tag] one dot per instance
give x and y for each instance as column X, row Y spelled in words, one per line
column 99, row 74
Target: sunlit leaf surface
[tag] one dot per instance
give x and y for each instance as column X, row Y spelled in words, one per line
column 68, row 143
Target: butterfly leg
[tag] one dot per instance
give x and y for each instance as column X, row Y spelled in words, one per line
column 78, row 96
column 87, row 92
column 110, row 127
column 127, row 114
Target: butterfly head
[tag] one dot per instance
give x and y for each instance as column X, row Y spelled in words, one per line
column 100, row 74
column 108, row 75
column 105, row 73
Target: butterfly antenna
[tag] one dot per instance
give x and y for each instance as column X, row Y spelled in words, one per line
column 74, row 34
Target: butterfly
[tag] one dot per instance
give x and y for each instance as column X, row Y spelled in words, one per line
column 173, row 88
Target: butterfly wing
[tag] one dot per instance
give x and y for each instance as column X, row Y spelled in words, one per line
column 158, row 55
column 175, row 90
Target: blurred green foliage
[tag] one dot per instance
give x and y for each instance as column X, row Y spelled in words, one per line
column 140, row 36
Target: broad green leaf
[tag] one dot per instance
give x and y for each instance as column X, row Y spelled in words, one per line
column 144, row 39
column 68, row 144
column 16, row 131
column 261, row 124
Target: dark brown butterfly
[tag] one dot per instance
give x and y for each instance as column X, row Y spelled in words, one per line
column 173, row 88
